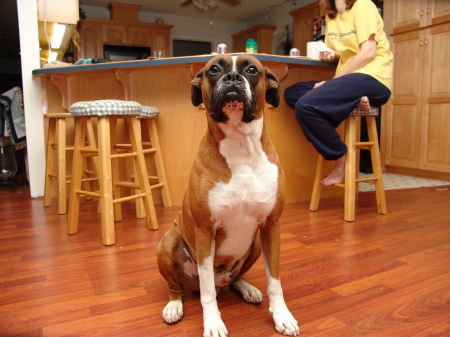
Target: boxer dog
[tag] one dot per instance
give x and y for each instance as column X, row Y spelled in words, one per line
column 234, row 199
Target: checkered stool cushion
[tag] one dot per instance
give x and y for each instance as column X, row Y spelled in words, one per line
column 374, row 111
column 149, row 112
column 107, row 107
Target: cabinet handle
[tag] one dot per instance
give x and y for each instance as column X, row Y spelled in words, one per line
column 421, row 43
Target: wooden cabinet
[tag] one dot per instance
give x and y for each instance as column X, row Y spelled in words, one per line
column 303, row 19
column 417, row 137
column 410, row 15
column 94, row 33
column 262, row 34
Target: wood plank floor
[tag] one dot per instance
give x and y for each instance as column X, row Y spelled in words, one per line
column 378, row 276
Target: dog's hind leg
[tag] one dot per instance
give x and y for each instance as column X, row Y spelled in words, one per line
column 249, row 293
column 168, row 267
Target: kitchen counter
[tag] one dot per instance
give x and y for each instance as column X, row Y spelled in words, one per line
column 165, row 83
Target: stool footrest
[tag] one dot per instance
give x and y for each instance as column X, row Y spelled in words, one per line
column 92, row 194
column 367, row 180
column 123, row 155
column 149, row 151
column 156, row 186
column 128, row 198
column 128, row 185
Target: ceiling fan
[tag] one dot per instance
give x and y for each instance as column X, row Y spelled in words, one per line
column 209, row 4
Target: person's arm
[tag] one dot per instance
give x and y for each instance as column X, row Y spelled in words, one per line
column 363, row 57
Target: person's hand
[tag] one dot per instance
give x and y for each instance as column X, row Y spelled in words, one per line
column 318, row 84
column 328, row 56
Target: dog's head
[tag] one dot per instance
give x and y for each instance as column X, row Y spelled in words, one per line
column 235, row 83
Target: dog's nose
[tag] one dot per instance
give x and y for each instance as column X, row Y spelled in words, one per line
column 233, row 77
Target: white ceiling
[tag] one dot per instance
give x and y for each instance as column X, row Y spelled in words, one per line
column 247, row 11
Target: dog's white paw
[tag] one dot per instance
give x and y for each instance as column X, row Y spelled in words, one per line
column 213, row 325
column 285, row 323
column 173, row 312
column 249, row 293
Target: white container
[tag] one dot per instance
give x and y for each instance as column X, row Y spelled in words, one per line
column 312, row 50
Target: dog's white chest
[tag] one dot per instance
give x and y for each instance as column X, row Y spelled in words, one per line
column 242, row 205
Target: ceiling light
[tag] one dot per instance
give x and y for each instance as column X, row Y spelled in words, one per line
column 58, row 34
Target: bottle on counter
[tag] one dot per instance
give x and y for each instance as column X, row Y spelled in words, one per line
column 251, row 46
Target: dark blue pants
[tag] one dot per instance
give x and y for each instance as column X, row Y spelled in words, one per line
column 320, row 111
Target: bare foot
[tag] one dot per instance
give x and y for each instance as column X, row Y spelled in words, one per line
column 337, row 175
column 364, row 104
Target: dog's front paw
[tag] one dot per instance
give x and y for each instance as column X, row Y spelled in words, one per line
column 213, row 326
column 173, row 312
column 249, row 293
column 285, row 323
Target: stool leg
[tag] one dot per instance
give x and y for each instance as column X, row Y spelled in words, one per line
column 317, row 186
column 105, row 180
column 77, row 166
column 376, row 165
column 140, row 210
column 115, row 170
column 159, row 163
column 350, row 169
column 142, row 175
column 50, row 157
column 61, row 154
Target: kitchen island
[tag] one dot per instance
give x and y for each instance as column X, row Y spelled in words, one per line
column 165, row 83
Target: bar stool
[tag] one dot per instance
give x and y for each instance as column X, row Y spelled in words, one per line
column 148, row 117
column 107, row 113
column 351, row 180
column 56, row 147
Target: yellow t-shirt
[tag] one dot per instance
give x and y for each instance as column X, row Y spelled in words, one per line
column 346, row 32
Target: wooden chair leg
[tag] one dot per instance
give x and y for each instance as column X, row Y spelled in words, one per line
column 115, row 170
column 77, row 166
column 140, row 209
column 49, row 158
column 317, row 186
column 376, row 165
column 350, row 169
column 136, row 141
column 159, row 163
column 61, row 154
column 105, row 179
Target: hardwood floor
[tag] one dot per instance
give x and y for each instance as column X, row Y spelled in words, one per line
column 378, row 276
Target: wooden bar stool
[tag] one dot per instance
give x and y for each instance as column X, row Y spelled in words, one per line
column 56, row 150
column 107, row 113
column 351, row 180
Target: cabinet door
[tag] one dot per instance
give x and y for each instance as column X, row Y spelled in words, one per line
column 409, row 15
column 303, row 25
column 239, row 44
column 139, row 36
column 404, row 116
column 90, row 41
column 161, row 41
column 114, row 34
column 435, row 147
column 438, row 11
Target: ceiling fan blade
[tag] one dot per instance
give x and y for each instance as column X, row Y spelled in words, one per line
column 231, row 3
column 186, row 4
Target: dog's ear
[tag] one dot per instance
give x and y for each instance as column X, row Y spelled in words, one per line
column 272, row 90
column 196, row 89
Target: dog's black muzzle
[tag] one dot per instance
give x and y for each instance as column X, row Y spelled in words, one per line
column 231, row 88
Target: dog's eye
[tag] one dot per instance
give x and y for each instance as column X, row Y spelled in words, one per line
column 214, row 70
column 252, row 70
